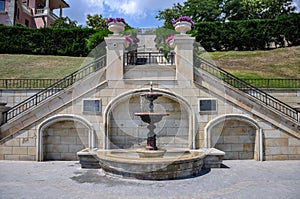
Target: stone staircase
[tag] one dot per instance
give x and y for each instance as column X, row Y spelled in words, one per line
column 185, row 79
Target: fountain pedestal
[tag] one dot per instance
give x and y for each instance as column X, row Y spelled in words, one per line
column 151, row 118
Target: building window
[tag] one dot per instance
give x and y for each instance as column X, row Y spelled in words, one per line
column 208, row 105
column 27, row 22
column 2, row 5
column 92, row 106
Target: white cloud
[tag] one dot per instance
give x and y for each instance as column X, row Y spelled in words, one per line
column 137, row 8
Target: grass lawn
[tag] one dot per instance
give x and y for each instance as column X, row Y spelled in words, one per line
column 37, row 66
column 278, row 63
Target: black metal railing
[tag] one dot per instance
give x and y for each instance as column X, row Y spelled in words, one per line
column 143, row 58
column 262, row 83
column 274, row 83
column 244, row 86
column 26, row 83
column 54, row 88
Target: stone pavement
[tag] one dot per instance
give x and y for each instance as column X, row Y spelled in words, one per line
column 241, row 179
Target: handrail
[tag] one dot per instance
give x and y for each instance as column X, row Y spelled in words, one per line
column 261, row 83
column 251, row 90
column 54, row 89
column 26, row 83
column 142, row 58
column 274, row 83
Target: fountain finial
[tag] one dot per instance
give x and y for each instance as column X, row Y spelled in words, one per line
column 151, row 86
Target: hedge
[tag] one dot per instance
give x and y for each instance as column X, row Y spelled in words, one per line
column 233, row 35
column 44, row 41
column 249, row 34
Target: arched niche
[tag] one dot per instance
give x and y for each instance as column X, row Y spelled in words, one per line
column 59, row 119
column 237, row 134
column 131, row 101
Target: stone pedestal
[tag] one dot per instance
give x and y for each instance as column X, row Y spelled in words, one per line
column 115, row 50
column 184, row 45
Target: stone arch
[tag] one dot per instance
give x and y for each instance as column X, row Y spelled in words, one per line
column 113, row 103
column 60, row 118
column 213, row 135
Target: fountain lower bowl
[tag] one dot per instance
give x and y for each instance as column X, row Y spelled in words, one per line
column 174, row 164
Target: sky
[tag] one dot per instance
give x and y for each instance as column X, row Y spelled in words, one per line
column 137, row 13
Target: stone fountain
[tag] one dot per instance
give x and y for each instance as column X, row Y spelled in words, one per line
column 151, row 162
column 151, row 118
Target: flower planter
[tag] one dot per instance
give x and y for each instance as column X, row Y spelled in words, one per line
column 182, row 27
column 116, row 27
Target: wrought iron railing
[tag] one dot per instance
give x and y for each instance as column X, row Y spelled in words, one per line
column 53, row 89
column 260, row 83
column 258, row 94
column 26, row 83
column 142, row 58
column 274, row 83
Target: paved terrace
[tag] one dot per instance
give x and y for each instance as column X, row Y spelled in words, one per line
column 241, row 179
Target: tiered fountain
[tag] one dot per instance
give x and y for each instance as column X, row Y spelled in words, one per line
column 151, row 118
column 151, row 163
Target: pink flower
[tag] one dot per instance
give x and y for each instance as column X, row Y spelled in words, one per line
column 184, row 18
column 109, row 20
column 172, row 37
column 128, row 38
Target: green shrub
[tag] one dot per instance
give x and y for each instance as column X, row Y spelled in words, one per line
column 44, row 41
column 249, row 34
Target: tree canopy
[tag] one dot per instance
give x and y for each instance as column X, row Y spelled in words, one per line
column 64, row 22
column 96, row 21
column 226, row 10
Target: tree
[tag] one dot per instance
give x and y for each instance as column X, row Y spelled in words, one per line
column 204, row 10
column 96, row 21
column 64, row 22
column 169, row 14
column 224, row 10
column 267, row 9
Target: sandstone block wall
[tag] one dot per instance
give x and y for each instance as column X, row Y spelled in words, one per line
column 62, row 140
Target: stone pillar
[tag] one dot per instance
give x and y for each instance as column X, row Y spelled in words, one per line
column 60, row 11
column 184, row 45
column 115, row 56
column 3, row 108
column 47, row 7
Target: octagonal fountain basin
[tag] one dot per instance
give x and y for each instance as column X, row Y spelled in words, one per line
column 173, row 165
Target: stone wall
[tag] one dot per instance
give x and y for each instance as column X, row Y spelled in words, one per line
column 280, row 145
column 20, row 146
column 13, row 97
column 129, row 131
column 62, row 140
column 235, row 138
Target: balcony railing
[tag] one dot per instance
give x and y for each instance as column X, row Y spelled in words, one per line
column 143, row 58
column 43, row 12
column 23, row 84
column 275, row 83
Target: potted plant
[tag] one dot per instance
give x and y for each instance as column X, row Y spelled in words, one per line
column 165, row 43
column 183, row 24
column 170, row 41
column 116, row 25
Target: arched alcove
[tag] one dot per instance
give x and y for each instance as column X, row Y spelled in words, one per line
column 239, row 136
column 61, row 136
column 124, row 130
